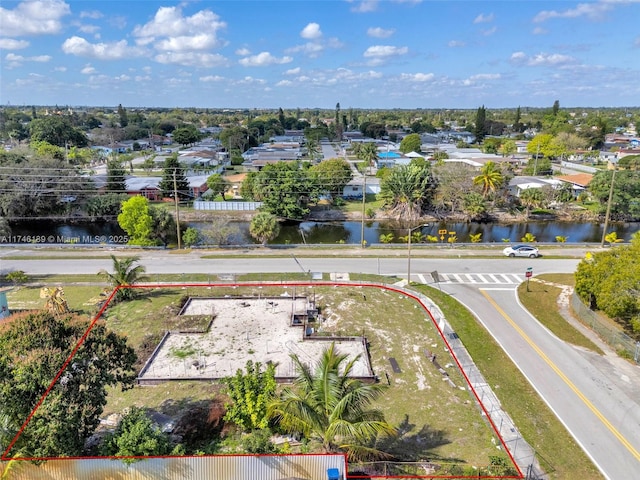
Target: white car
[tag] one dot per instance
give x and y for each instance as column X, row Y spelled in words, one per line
column 521, row 251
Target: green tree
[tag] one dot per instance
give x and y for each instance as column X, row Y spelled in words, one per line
column 56, row 130
column 122, row 115
column 411, row 143
column 186, row 135
column 331, row 175
column 626, row 192
column 126, row 273
column 218, row 185
column 115, row 177
column 610, row 281
column 473, row 204
column 264, row 227
column 136, row 436
column 531, row 198
column 285, row 190
column 490, row 178
column 369, row 153
column 407, row 191
column 135, row 219
column 508, row 147
column 105, row 205
column 190, row 237
column 250, row 392
column 34, row 347
column 544, row 144
column 479, row 129
column 163, row 228
column 174, row 179
column 328, row 406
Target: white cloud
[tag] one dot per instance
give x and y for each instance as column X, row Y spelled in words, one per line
column 94, row 14
column 385, row 51
column 88, row 70
column 103, row 51
column 539, row 31
column 293, row 71
column 39, row 17
column 14, row 60
column 211, row 78
column 284, row 83
column 88, row 28
column 169, row 24
column 310, row 49
column 250, row 80
column 593, row 11
column 482, row 18
column 11, row 44
column 243, row 52
column 378, row 32
column 192, row 59
column 417, row 77
column 311, row 31
column 456, row 43
column 364, row 6
column 473, row 79
column 490, row 31
column 60, row 69
column 186, row 43
column 142, row 78
column 541, row 59
column 263, row 59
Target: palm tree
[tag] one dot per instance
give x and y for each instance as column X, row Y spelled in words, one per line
column 531, row 198
column 264, row 227
column 331, row 408
column 369, row 153
column 125, row 274
column 490, row 178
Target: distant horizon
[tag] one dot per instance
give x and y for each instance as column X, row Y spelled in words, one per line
column 342, row 108
column 366, row 54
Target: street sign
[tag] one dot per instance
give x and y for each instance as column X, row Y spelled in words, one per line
column 529, row 272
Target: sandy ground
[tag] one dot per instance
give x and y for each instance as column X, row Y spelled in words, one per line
column 257, row 329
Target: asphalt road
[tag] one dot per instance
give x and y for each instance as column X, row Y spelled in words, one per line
column 596, row 398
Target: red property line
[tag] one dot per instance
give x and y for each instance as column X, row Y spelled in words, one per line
column 5, row 456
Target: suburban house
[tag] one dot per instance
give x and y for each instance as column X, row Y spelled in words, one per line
column 354, row 188
column 197, row 185
column 579, row 181
column 148, row 187
column 257, row 157
column 518, row 184
column 111, row 148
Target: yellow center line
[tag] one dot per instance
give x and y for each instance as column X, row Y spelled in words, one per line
column 564, row 378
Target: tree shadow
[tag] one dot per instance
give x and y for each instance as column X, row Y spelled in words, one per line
column 414, row 445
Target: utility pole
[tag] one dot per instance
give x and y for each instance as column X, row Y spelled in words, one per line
column 175, row 197
column 364, row 197
column 608, row 214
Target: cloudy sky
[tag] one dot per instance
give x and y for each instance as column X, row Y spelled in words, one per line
column 296, row 53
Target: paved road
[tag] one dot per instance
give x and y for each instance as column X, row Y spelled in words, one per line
column 597, row 399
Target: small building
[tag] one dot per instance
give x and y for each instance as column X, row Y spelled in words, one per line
column 148, row 187
column 354, row 188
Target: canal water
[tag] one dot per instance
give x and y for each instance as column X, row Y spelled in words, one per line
column 332, row 232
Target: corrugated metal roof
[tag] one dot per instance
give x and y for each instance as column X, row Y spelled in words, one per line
column 220, row 467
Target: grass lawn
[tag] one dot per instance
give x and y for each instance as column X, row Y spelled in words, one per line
column 541, row 300
column 438, row 421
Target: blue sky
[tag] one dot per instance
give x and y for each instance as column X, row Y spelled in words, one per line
column 289, row 54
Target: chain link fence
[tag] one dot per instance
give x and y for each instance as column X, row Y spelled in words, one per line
column 622, row 343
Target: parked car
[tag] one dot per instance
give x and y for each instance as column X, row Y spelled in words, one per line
column 521, row 251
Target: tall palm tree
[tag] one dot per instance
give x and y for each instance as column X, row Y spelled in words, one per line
column 490, row 178
column 330, row 407
column 369, row 153
column 125, row 274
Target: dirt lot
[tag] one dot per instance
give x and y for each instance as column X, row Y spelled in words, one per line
column 257, row 329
